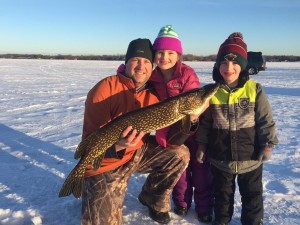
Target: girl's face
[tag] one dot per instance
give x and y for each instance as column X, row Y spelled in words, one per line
column 165, row 59
column 230, row 72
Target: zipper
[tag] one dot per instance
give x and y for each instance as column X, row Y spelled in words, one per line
column 229, row 120
column 230, row 123
column 236, row 169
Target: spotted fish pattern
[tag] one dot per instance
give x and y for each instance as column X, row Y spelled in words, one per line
column 148, row 119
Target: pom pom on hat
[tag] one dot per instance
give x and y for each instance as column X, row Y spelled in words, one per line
column 140, row 48
column 167, row 39
column 233, row 49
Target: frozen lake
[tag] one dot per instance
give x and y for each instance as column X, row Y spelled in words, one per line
column 42, row 105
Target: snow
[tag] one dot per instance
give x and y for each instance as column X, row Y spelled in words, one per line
column 42, row 105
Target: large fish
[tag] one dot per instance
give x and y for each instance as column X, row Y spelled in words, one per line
column 148, row 119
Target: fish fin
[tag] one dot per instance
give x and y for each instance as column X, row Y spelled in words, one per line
column 72, row 185
column 80, row 150
column 97, row 162
column 186, row 123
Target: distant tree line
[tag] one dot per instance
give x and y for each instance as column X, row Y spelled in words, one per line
column 187, row 57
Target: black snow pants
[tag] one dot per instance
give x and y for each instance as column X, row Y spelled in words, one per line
column 250, row 187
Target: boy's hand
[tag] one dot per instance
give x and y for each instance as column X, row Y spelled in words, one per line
column 265, row 154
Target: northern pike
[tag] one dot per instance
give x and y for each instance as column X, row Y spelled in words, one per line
column 148, row 119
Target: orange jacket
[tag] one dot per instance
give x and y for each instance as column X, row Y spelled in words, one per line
column 110, row 98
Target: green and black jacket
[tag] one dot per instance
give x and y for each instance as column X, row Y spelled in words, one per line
column 238, row 123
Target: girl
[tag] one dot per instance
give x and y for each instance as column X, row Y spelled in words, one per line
column 172, row 77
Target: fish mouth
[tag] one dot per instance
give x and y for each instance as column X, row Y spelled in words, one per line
column 210, row 90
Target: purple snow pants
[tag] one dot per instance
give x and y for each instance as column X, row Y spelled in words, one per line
column 195, row 181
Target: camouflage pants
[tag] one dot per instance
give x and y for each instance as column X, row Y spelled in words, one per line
column 103, row 197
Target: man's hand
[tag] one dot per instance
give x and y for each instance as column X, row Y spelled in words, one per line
column 200, row 154
column 128, row 138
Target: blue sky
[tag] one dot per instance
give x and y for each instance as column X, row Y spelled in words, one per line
column 107, row 26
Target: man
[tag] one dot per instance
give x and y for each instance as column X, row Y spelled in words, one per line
column 104, row 189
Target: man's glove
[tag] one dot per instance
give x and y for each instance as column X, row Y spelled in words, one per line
column 265, row 154
column 200, row 154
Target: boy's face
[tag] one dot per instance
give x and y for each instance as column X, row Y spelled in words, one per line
column 230, row 72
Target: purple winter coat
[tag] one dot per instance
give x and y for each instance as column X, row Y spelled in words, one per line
column 183, row 79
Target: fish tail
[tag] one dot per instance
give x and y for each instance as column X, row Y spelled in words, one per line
column 72, row 185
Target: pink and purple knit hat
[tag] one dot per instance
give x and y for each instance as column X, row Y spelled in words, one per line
column 167, row 39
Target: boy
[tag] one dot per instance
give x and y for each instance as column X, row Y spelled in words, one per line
column 238, row 133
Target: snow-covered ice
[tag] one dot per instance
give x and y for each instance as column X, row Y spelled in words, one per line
column 42, row 104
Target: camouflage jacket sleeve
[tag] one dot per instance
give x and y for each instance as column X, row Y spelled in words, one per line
column 180, row 131
column 264, row 124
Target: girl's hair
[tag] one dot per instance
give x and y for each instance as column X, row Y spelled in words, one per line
column 217, row 77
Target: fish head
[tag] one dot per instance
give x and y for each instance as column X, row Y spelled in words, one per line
column 195, row 100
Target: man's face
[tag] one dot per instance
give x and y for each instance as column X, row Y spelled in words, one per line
column 139, row 69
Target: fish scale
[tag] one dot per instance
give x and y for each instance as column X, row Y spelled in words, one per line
column 148, row 119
